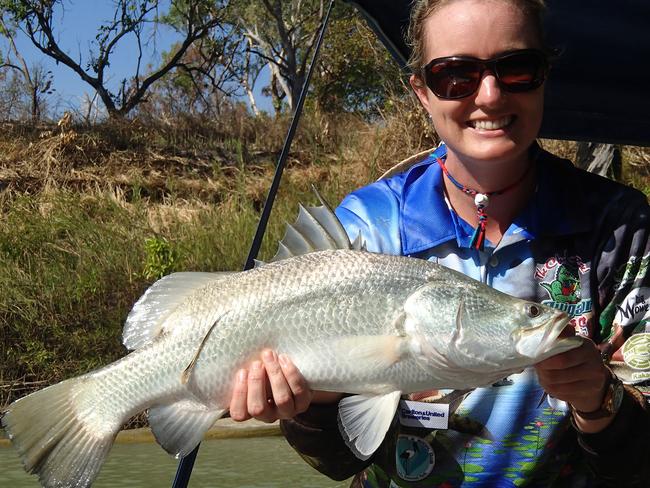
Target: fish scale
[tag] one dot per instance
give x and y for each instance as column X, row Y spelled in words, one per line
column 350, row 299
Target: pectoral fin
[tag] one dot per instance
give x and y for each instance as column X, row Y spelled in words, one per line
column 372, row 352
column 364, row 421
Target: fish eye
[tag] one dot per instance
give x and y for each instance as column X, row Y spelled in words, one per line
column 533, row 310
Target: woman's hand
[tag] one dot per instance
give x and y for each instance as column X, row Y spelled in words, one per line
column 273, row 388
column 580, row 378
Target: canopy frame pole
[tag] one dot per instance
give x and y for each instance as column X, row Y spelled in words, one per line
column 186, row 463
column 268, row 204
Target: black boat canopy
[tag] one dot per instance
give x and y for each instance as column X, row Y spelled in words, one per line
column 599, row 88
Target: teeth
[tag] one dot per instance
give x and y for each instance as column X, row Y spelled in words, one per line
column 492, row 124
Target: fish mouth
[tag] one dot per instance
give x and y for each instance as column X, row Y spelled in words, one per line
column 557, row 338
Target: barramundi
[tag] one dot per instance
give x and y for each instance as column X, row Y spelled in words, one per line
column 371, row 325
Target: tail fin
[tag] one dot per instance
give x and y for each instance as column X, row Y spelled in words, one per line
column 53, row 440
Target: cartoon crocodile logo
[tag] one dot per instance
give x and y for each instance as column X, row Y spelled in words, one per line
column 565, row 288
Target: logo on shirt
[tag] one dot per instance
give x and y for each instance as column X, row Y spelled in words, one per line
column 634, row 268
column 635, row 307
column 414, row 458
column 561, row 275
column 636, row 352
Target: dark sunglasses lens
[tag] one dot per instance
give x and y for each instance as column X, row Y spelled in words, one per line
column 522, row 71
column 454, row 78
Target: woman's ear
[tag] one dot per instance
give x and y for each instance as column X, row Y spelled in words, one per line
column 420, row 90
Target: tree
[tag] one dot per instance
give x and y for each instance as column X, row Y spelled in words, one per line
column 196, row 87
column 33, row 81
column 219, row 66
column 210, row 71
column 194, row 21
column 356, row 73
column 283, row 35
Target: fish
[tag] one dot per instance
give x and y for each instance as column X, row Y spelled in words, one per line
column 371, row 325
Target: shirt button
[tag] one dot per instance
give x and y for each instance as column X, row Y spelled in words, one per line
column 494, row 261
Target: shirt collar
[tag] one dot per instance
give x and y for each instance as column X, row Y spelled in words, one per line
column 427, row 221
column 557, row 207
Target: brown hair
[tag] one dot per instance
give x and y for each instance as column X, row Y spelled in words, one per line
column 423, row 9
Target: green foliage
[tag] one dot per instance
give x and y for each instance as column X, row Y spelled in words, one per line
column 66, row 283
column 179, row 10
column 160, row 258
column 18, row 9
column 230, row 41
column 356, row 73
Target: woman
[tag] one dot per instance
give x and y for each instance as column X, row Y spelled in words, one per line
column 492, row 204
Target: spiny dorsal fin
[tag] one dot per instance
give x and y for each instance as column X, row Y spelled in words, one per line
column 145, row 321
column 315, row 229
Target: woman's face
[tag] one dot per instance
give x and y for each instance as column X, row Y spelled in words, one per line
column 491, row 124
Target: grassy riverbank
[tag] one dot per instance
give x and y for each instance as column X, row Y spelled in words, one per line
column 89, row 217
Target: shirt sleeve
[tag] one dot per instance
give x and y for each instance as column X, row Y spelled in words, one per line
column 315, row 436
column 623, row 291
column 374, row 213
column 620, row 454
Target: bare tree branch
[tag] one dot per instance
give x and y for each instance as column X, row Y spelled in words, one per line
column 284, row 35
column 197, row 19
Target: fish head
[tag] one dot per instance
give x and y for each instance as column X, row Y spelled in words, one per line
column 466, row 326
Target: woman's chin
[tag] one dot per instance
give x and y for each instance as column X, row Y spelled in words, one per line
column 495, row 149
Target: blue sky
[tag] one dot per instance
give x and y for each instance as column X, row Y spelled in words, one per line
column 76, row 28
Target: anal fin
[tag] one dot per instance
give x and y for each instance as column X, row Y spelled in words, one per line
column 180, row 426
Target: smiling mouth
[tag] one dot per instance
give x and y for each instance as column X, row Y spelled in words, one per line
column 496, row 124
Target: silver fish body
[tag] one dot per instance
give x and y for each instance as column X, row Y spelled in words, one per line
column 352, row 321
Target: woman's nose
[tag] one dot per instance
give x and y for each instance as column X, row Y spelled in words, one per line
column 489, row 92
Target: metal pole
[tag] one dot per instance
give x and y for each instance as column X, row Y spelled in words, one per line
column 186, row 463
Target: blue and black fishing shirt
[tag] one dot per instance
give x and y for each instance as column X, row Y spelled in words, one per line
column 581, row 245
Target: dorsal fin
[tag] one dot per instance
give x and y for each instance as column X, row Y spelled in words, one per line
column 315, row 229
column 145, row 320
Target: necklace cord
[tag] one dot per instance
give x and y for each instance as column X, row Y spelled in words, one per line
column 481, row 202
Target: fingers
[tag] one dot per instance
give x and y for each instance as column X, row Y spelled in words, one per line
column 280, row 391
column 587, row 352
column 270, row 389
column 289, row 388
column 259, row 406
column 239, row 400
column 302, row 394
column 576, row 376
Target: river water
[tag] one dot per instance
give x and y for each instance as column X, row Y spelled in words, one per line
column 259, row 462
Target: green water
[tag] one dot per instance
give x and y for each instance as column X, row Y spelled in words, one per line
column 264, row 462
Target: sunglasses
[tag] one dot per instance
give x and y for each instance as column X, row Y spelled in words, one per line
column 456, row 77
